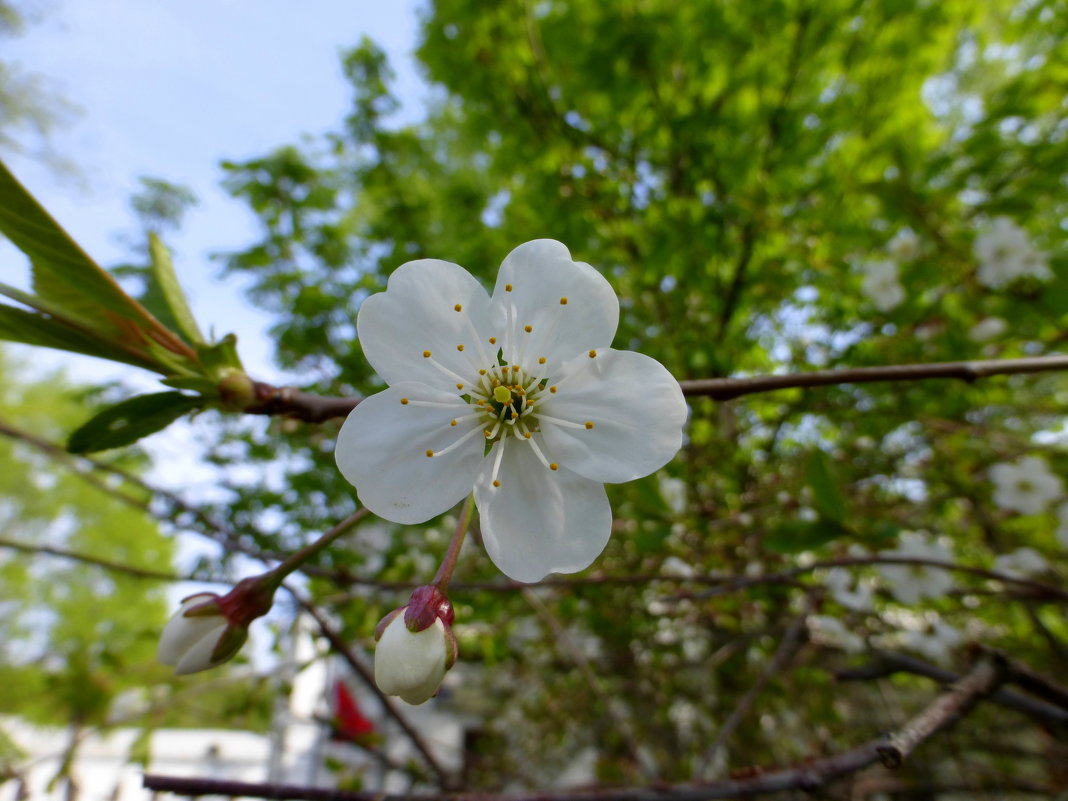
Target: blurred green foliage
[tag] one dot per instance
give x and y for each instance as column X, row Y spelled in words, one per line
column 729, row 167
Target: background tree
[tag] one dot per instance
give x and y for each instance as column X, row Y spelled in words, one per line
column 771, row 187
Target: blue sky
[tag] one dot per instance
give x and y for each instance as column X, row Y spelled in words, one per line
column 169, row 89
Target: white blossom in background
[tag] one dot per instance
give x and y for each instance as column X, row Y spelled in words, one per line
column 1062, row 525
column 518, row 395
column 673, row 491
column 828, row 630
column 850, row 593
column 937, row 644
column 987, row 329
column 881, row 284
column 1026, row 485
column 1021, row 563
column 1005, row 252
column 904, row 246
column 909, row 584
column 673, row 566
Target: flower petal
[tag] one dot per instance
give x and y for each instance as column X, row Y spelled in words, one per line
column 181, row 633
column 569, row 306
column 381, row 450
column 540, row 521
column 417, row 313
column 198, row 656
column 410, row 664
column 637, row 411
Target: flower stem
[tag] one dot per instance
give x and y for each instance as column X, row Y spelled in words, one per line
column 278, row 573
column 444, row 574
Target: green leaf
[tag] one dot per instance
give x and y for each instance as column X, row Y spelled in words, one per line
column 129, row 421
column 18, row 325
column 795, row 536
column 826, row 494
column 163, row 271
column 62, row 271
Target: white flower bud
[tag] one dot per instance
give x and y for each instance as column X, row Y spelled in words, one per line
column 190, row 643
column 411, row 664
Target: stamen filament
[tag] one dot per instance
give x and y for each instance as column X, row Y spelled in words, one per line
column 538, row 453
column 459, row 442
column 564, row 423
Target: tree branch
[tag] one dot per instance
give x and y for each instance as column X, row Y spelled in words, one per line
column 945, row 710
column 290, row 402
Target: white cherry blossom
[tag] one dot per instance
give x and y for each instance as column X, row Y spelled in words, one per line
column 1026, row 485
column 1020, row 563
column 905, row 245
column 831, row 631
column 517, row 395
column 987, row 329
column 938, row 643
column 881, row 284
column 1005, row 252
column 910, row 583
column 851, row 594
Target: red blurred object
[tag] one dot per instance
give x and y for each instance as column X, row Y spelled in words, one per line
column 349, row 722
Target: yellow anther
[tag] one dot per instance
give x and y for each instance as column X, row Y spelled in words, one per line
column 496, row 483
column 502, row 394
column 541, row 360
column 589, row 424
column 481, row 372
column 404, row 401
column 552, row 390
column 554, row 466
column 429, row 454
column 563, row 301
column 527, row 435
column 507, row 287
column 593, row 354
column 452, row 423
column 488, row 433
column 527, row 328
column 459, row 386
column 515, row 368
column 458, row 307
column 493, row 340
column 460, row 348
column 426, row 354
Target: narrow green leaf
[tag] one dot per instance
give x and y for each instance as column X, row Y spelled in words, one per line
column 18, row 325
column 129, row 421
column 795, row 536
column 826, row 494
column 62, row 271
column 163, row 270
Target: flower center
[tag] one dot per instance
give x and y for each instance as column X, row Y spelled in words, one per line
column 505, row 399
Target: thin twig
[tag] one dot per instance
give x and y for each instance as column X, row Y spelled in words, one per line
column 888, row 663
column 290, row 402
column 107, row 564
column 791, row 641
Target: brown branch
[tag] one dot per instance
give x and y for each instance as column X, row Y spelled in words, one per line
column 945, row 710
column 106, row 564
column 290, row 402
column 888, row 663
column 788, row 647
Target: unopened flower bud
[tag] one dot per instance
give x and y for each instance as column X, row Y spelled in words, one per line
column 415, row 646
column 210, row 629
